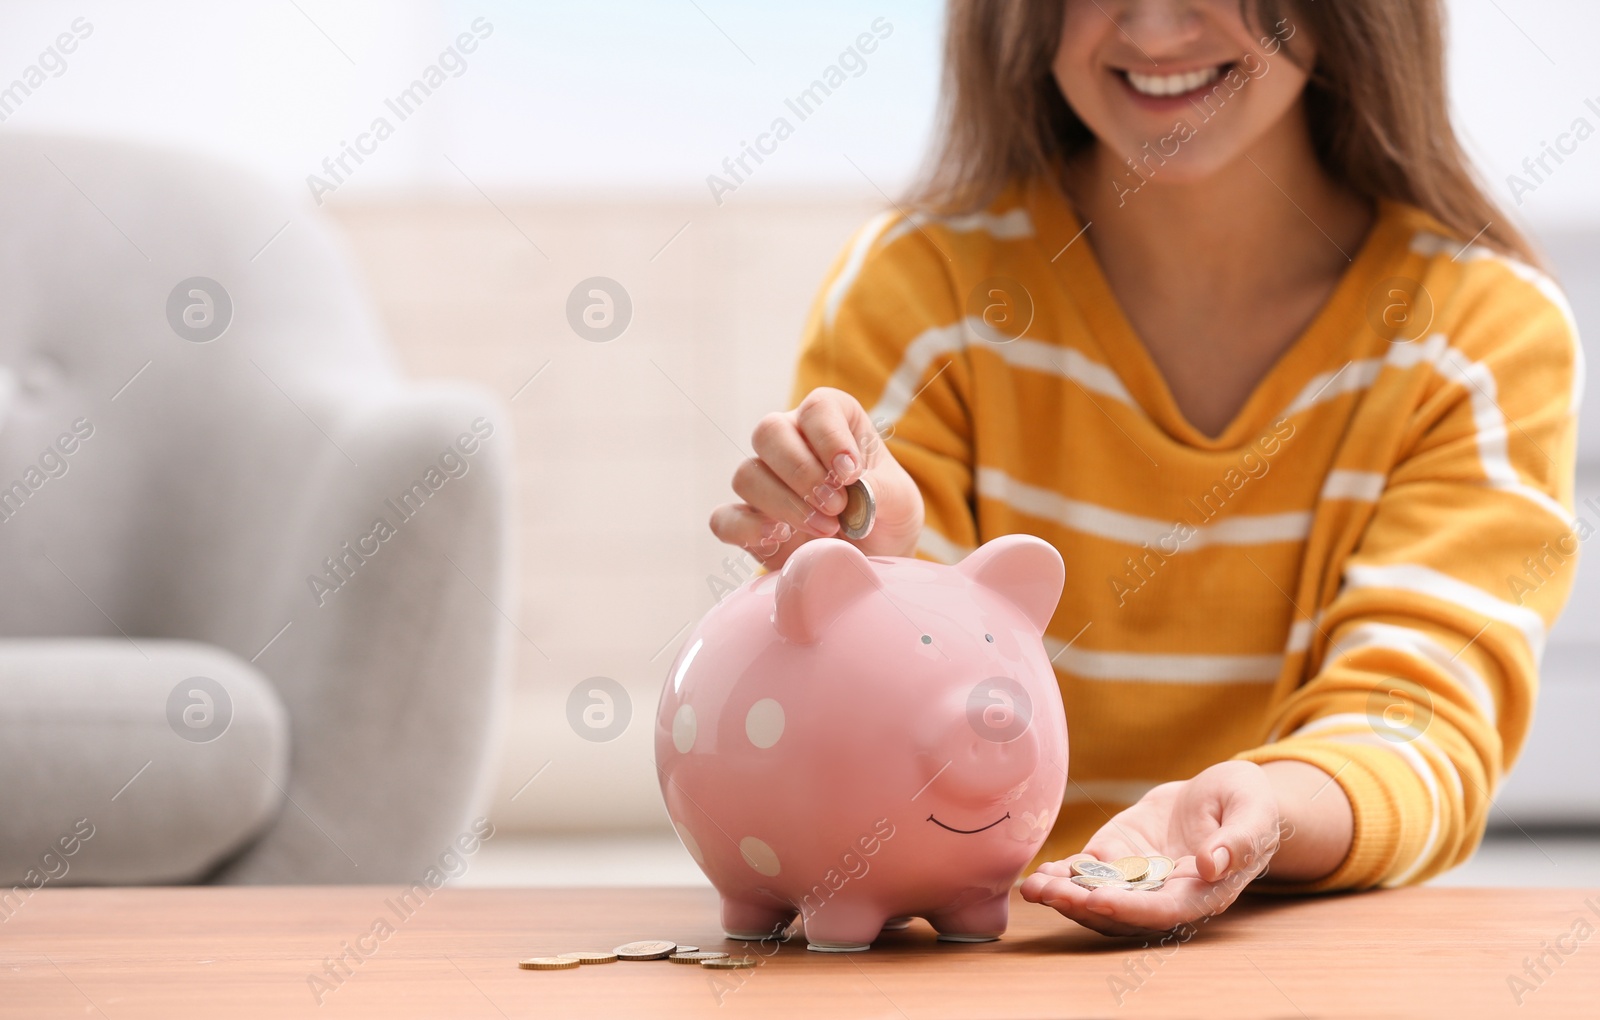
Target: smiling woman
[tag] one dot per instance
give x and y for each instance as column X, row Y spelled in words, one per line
column 1220, row 221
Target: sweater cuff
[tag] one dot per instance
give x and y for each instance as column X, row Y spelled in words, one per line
column 1376, row 840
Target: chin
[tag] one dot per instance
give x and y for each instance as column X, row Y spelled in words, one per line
column 1155, row 164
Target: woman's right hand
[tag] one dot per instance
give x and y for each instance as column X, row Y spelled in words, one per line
column 793, row 489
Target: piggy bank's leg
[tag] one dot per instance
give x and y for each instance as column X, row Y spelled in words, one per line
column 840, row 926
column 983, row 921
column 749, row 922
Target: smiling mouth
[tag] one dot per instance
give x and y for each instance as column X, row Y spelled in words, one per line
column 1172, row 86
column 968, row 832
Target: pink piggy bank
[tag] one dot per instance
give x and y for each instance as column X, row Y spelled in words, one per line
column 861, row 740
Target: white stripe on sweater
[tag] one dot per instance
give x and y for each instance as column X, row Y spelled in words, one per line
column 1011, row 225
column 852, row 264
column 1151, row 667
column 1135, row 530
column 935, row 545
column 1425, row 243
column 1433, row 584
column 1358, row 486
column 1417, row 645
column 914, row 369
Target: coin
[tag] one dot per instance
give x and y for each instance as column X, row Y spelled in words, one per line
column 653, row 949
column 695, row 956
column 1132, row 868
column 860, row 510
column 1146, row 885
column 1096, row 881
column 687, row 949
column 1096, row 869
column 731, row 963
column 548, row 963
column 1160, row 868
column 591, row 957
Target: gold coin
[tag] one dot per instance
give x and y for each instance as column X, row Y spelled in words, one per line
column 1160, row 868
column 547, row 963
column 652, row 949
column 1096, row 881
column 696, row 956
column 1146, row 885
column 1132, row 868
column 591, row 957
column 1091, row 868
column 860, row 510
column 730, row 963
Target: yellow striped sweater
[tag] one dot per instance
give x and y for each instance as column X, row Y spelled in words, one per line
column 1358, row 573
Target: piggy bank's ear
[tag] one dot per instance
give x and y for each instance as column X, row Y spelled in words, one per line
column 822, row 579
column 1026, row 570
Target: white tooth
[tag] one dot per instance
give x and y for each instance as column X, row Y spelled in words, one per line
column 1171, row 84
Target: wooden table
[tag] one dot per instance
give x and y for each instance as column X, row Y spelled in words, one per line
column 245, row 952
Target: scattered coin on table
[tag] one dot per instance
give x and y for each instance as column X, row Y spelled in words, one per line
column 696, row 956
column 731, row 963
column 651, row 949
column 548, row 963
column 590, row 957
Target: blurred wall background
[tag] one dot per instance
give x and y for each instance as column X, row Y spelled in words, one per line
column 574, row 141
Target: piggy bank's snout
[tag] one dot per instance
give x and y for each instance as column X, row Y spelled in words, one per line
column 989, row 753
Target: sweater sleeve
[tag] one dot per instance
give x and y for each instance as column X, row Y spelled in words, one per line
column 1430, row 645
column 887, row 329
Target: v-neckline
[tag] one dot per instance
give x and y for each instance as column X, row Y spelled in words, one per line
column 1079, row 273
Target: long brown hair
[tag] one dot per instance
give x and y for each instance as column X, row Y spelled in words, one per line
column 1375, row 102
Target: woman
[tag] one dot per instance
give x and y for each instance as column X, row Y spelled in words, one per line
column 1206, row 295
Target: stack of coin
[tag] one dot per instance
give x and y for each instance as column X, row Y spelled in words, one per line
column 652, row 949
column 1144, row 874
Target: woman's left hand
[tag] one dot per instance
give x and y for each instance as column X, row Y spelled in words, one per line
column 1222, row 829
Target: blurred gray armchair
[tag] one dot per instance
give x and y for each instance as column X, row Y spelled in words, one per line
column 253, row 625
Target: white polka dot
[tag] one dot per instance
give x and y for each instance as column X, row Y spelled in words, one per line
column 683, row 729
column 689, row 844
column 764, row 724
column 759, row 856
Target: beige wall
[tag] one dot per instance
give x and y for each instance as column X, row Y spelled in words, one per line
column 617, row 469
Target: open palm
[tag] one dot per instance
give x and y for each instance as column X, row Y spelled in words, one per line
column 1221, row 827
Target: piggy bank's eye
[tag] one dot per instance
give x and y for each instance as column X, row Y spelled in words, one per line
column 927, row 640
column 989, row 638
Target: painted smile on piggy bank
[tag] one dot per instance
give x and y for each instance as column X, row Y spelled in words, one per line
column 968, row 832
column 859, row 740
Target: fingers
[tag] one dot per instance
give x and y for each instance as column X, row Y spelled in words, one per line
column 771, row 542
column 1061, row 868
column 1245, row 838
column 813, row 449
column 1179, row 901
column 803, row 461
column 756, row 483
column 1085, row 906
column 1116, row 911
column 831, row 420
